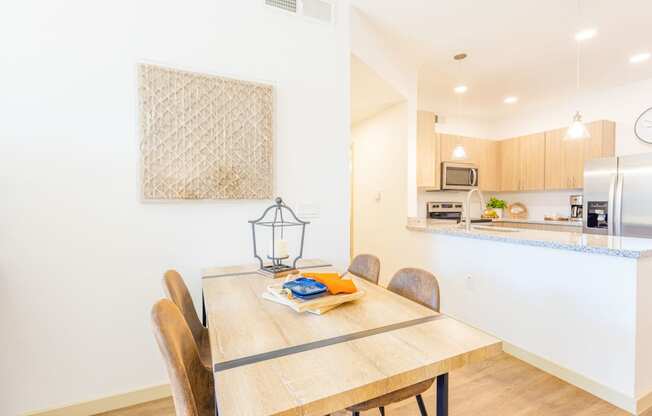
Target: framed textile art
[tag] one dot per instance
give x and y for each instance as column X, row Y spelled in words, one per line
column 204, row 136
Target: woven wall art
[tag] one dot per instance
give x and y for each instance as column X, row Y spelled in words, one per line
column 204, row 136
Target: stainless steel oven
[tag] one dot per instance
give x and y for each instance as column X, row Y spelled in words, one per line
column 459, row 176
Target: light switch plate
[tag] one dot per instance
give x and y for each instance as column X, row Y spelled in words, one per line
column 308, row 211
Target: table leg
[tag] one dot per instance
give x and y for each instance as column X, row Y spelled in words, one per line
column 442, row 395
column 203, row 309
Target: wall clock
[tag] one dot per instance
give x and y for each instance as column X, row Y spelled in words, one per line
column 643, row 126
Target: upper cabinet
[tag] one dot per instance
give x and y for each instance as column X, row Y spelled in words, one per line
column 480, row 152
column 565, row 158
column 488, row 162
column 509, row 165
column 542, row 161
column 532, row 150
column 522, row 163
column 428, row 171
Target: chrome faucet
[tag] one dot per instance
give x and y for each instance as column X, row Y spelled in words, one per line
column 467, row 207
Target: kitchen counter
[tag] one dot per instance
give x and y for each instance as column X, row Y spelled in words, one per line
column 577, row 305
column 543, row 222
column 629, row 247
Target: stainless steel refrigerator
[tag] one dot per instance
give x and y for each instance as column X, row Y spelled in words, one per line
column 618, row 196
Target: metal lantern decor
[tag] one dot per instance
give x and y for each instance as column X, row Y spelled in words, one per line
column 278, row 246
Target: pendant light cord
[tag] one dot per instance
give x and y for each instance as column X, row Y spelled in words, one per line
column 577, row 69
column 459, row 82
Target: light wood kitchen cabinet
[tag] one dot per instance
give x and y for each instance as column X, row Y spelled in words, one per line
column 509, row 165
column 489, row 176
column 522, row 163
column 532, row 150
column 529, row 163
column 565, row 158
column 480, row 152
column 448, row 142
column 428, row 160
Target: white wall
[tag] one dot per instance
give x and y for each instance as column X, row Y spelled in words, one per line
column 621, row 104
column 399, row 69
column 556, row 310
column 453, row 120
column 81, row 257
column 380, row 166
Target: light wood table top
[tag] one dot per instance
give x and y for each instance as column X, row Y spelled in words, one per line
column 270, row 360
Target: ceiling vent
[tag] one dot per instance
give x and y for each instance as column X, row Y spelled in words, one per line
column 321, row 10
column 287, row 5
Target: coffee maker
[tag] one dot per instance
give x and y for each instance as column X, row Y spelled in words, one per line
column 576, row 203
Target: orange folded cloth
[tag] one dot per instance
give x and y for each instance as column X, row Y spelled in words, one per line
column 333, row 282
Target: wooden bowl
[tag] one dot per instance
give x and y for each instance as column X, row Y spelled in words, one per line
column 517, row 211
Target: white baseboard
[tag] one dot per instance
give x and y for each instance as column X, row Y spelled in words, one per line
column 149, row 394
column 618, row 399
column 106, row 404
column 644, row 403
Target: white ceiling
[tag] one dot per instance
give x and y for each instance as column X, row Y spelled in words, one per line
column 516, row 47
column 369, row 92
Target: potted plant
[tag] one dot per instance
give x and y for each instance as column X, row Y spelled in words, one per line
column 497, row 205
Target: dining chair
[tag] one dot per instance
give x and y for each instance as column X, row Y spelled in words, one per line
column 192, row 383
column 177, row 291
column 365, row 266
column 421, row 287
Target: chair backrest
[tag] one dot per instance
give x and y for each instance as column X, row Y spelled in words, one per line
column 177, row 291
column 366, row 266
column 192, row 383
column 417, row 285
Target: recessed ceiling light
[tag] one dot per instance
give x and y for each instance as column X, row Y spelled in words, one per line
column 460, row 89
column 640, row 57
column 585, row 34
column 510, row 100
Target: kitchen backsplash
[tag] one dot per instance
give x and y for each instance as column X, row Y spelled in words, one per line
column 539, row 204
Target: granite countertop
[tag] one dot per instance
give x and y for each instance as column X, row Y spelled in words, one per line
column 630, row 247
column 535, row 221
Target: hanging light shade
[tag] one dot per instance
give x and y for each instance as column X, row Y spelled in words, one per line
column 459, row 152
column 577, row 129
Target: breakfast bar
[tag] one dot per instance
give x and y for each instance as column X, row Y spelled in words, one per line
column 576, row 305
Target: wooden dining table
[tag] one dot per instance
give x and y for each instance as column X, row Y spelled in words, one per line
column 270, row 360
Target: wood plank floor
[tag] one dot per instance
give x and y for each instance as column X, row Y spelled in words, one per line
column 502, row 386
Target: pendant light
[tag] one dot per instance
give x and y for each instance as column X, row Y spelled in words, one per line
column 459, row 152
column 577, row 129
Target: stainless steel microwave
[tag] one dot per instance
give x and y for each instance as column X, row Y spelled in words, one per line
column 459, row 176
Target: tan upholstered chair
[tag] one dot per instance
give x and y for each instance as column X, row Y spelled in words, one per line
column 192, row 383
column 366, row 266
column 177, row 291
column 421, row 287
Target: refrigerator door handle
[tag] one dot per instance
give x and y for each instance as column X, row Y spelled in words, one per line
column 618, row 205
column 611, row 207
